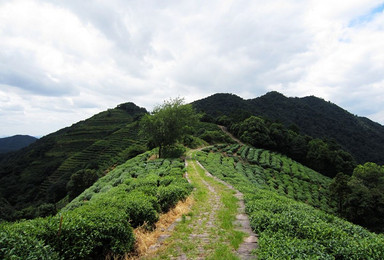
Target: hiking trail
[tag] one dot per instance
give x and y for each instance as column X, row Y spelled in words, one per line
column 216, row 227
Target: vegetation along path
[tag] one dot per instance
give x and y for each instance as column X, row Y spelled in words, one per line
column 216, row 227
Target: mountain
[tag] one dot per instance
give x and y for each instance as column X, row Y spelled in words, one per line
column 66, row 162
column 16, row 142
column 313, row 116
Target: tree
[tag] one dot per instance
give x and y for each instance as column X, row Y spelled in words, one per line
column 360, row 197
column 81, row 180
column 168, row 123
column 255, row 131
column 339, row 190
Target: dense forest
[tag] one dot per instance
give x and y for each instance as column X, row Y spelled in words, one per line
column 311, row 116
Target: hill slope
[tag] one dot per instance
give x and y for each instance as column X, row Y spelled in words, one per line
column 16, row 142
column 315, row 117
column 39, row 174
column 287, row 227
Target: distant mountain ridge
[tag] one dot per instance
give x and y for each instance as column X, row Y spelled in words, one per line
column 16, row 142
column 314, row 116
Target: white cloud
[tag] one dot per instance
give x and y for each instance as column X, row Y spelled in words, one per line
column 66, row 60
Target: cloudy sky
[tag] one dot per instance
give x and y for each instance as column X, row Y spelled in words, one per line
column 63, row 61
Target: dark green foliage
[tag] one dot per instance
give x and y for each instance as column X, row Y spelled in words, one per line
column 6, row 210
column 360, row 198
column 81, row 180
column 315, row 117
column 14, row 143
column 46, row 209
column 168, row 124
column 39, row 173
column 211, row 133
column 221, row 104
column 132, row 109
column 173, row 151
column 325, row 157
column 133, row 151
column 216, row 136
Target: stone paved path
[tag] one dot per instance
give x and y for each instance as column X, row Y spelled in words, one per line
column 202, row 232
column 242, row 223
column 203, row 225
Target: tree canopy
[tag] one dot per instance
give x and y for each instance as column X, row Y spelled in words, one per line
column 360, row 198
column 321, row 155
column 168, row 123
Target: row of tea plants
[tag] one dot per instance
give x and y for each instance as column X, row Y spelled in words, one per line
column 100, row 220
column 290, row 229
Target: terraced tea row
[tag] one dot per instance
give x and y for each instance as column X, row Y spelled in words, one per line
column 100, row 220
column 289, row 229
column 278, row 172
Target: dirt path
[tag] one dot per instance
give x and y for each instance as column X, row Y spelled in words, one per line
column 241, row 223
column 205, row 233
column 203, row 225
column 225, row 130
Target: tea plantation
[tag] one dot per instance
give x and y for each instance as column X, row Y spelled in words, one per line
column 100, row 220
column 281, row 197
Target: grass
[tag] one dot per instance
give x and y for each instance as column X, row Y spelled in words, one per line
column 227, row 214
column 145, row 238
column 217, row 240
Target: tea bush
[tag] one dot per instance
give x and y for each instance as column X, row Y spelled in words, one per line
column 100, row 220
column 19, row 245
column 289, row 229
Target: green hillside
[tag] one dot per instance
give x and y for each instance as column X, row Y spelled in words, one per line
column 94, row 182
column 276, row 172
column 287, row 227
column 313, row 116
column 99, row 222
column 38, row 175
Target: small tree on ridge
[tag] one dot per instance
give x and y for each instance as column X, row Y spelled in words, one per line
column 168, row 123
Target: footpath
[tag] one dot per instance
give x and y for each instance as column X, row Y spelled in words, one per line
column 216, row 226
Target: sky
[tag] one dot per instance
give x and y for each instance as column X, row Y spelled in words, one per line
column 64, row 61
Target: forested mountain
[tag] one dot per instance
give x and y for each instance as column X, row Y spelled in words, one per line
column 62, row 164
column 313, row 116
column 16, row 142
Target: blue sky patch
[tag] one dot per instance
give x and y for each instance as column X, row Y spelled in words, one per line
column 365, row 18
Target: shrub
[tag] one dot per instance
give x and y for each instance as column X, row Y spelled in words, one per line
column 139, row 207
column 173, row 151
column 88, row 232
column 15, row 244
column 169, row 196
column 166, row 180
column 46, row 209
